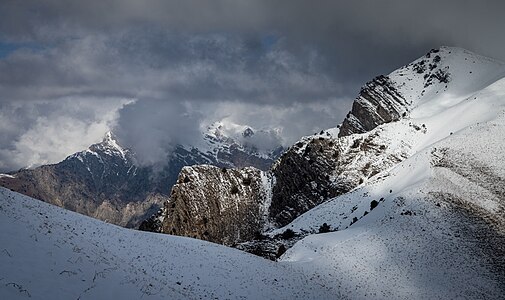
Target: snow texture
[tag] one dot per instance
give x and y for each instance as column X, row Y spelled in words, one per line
column 47, row 252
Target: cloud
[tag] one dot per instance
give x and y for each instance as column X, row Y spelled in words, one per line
column 288, row 122
column 42, row 132
column 288, row 66
column 152, row 128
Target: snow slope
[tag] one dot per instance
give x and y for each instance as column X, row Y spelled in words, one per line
column 50, row 253
column 438, row 230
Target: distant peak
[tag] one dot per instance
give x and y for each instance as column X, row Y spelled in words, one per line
column 108, row 137
column 110, row 141
column 248, row 132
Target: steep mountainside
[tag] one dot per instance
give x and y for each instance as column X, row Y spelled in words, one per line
column 431, row 227
column 105, row 181
column 368, row 143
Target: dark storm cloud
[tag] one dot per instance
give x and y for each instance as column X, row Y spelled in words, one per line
column 292, row 66
column 153, row 127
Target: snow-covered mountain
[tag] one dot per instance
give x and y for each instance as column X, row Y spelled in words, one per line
column 393, row 121
column 106, row 182
column 433, row 225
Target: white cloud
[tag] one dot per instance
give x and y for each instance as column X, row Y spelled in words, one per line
column 51, row 130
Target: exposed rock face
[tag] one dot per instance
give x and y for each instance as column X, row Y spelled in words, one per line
column 322, row 167
column 379, row 102
column 228, row 212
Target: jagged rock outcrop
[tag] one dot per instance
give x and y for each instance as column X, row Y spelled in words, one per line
column 315, row 169
column 229, row 212
column 379, row 102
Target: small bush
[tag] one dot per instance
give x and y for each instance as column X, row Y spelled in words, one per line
column 306, row 151
column 324, row 228
column 356, row 143
column 258, row 236
column 280, row 251
column 373, row 204
column 288, row 234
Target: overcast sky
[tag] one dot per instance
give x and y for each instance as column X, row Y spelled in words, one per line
column 157, row 71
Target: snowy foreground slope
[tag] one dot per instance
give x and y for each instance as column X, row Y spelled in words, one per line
column 49, row 253
column 439, row 225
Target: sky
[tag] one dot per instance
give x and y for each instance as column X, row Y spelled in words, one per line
column 158, row 72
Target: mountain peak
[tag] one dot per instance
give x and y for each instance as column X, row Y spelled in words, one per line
column 110, row 139
column 442, row 71
column 109, row 146
column 248, row 132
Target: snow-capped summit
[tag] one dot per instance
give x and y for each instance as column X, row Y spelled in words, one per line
column 454, row 72
column 110, row 141
column 109, row 146
column 229, row 144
